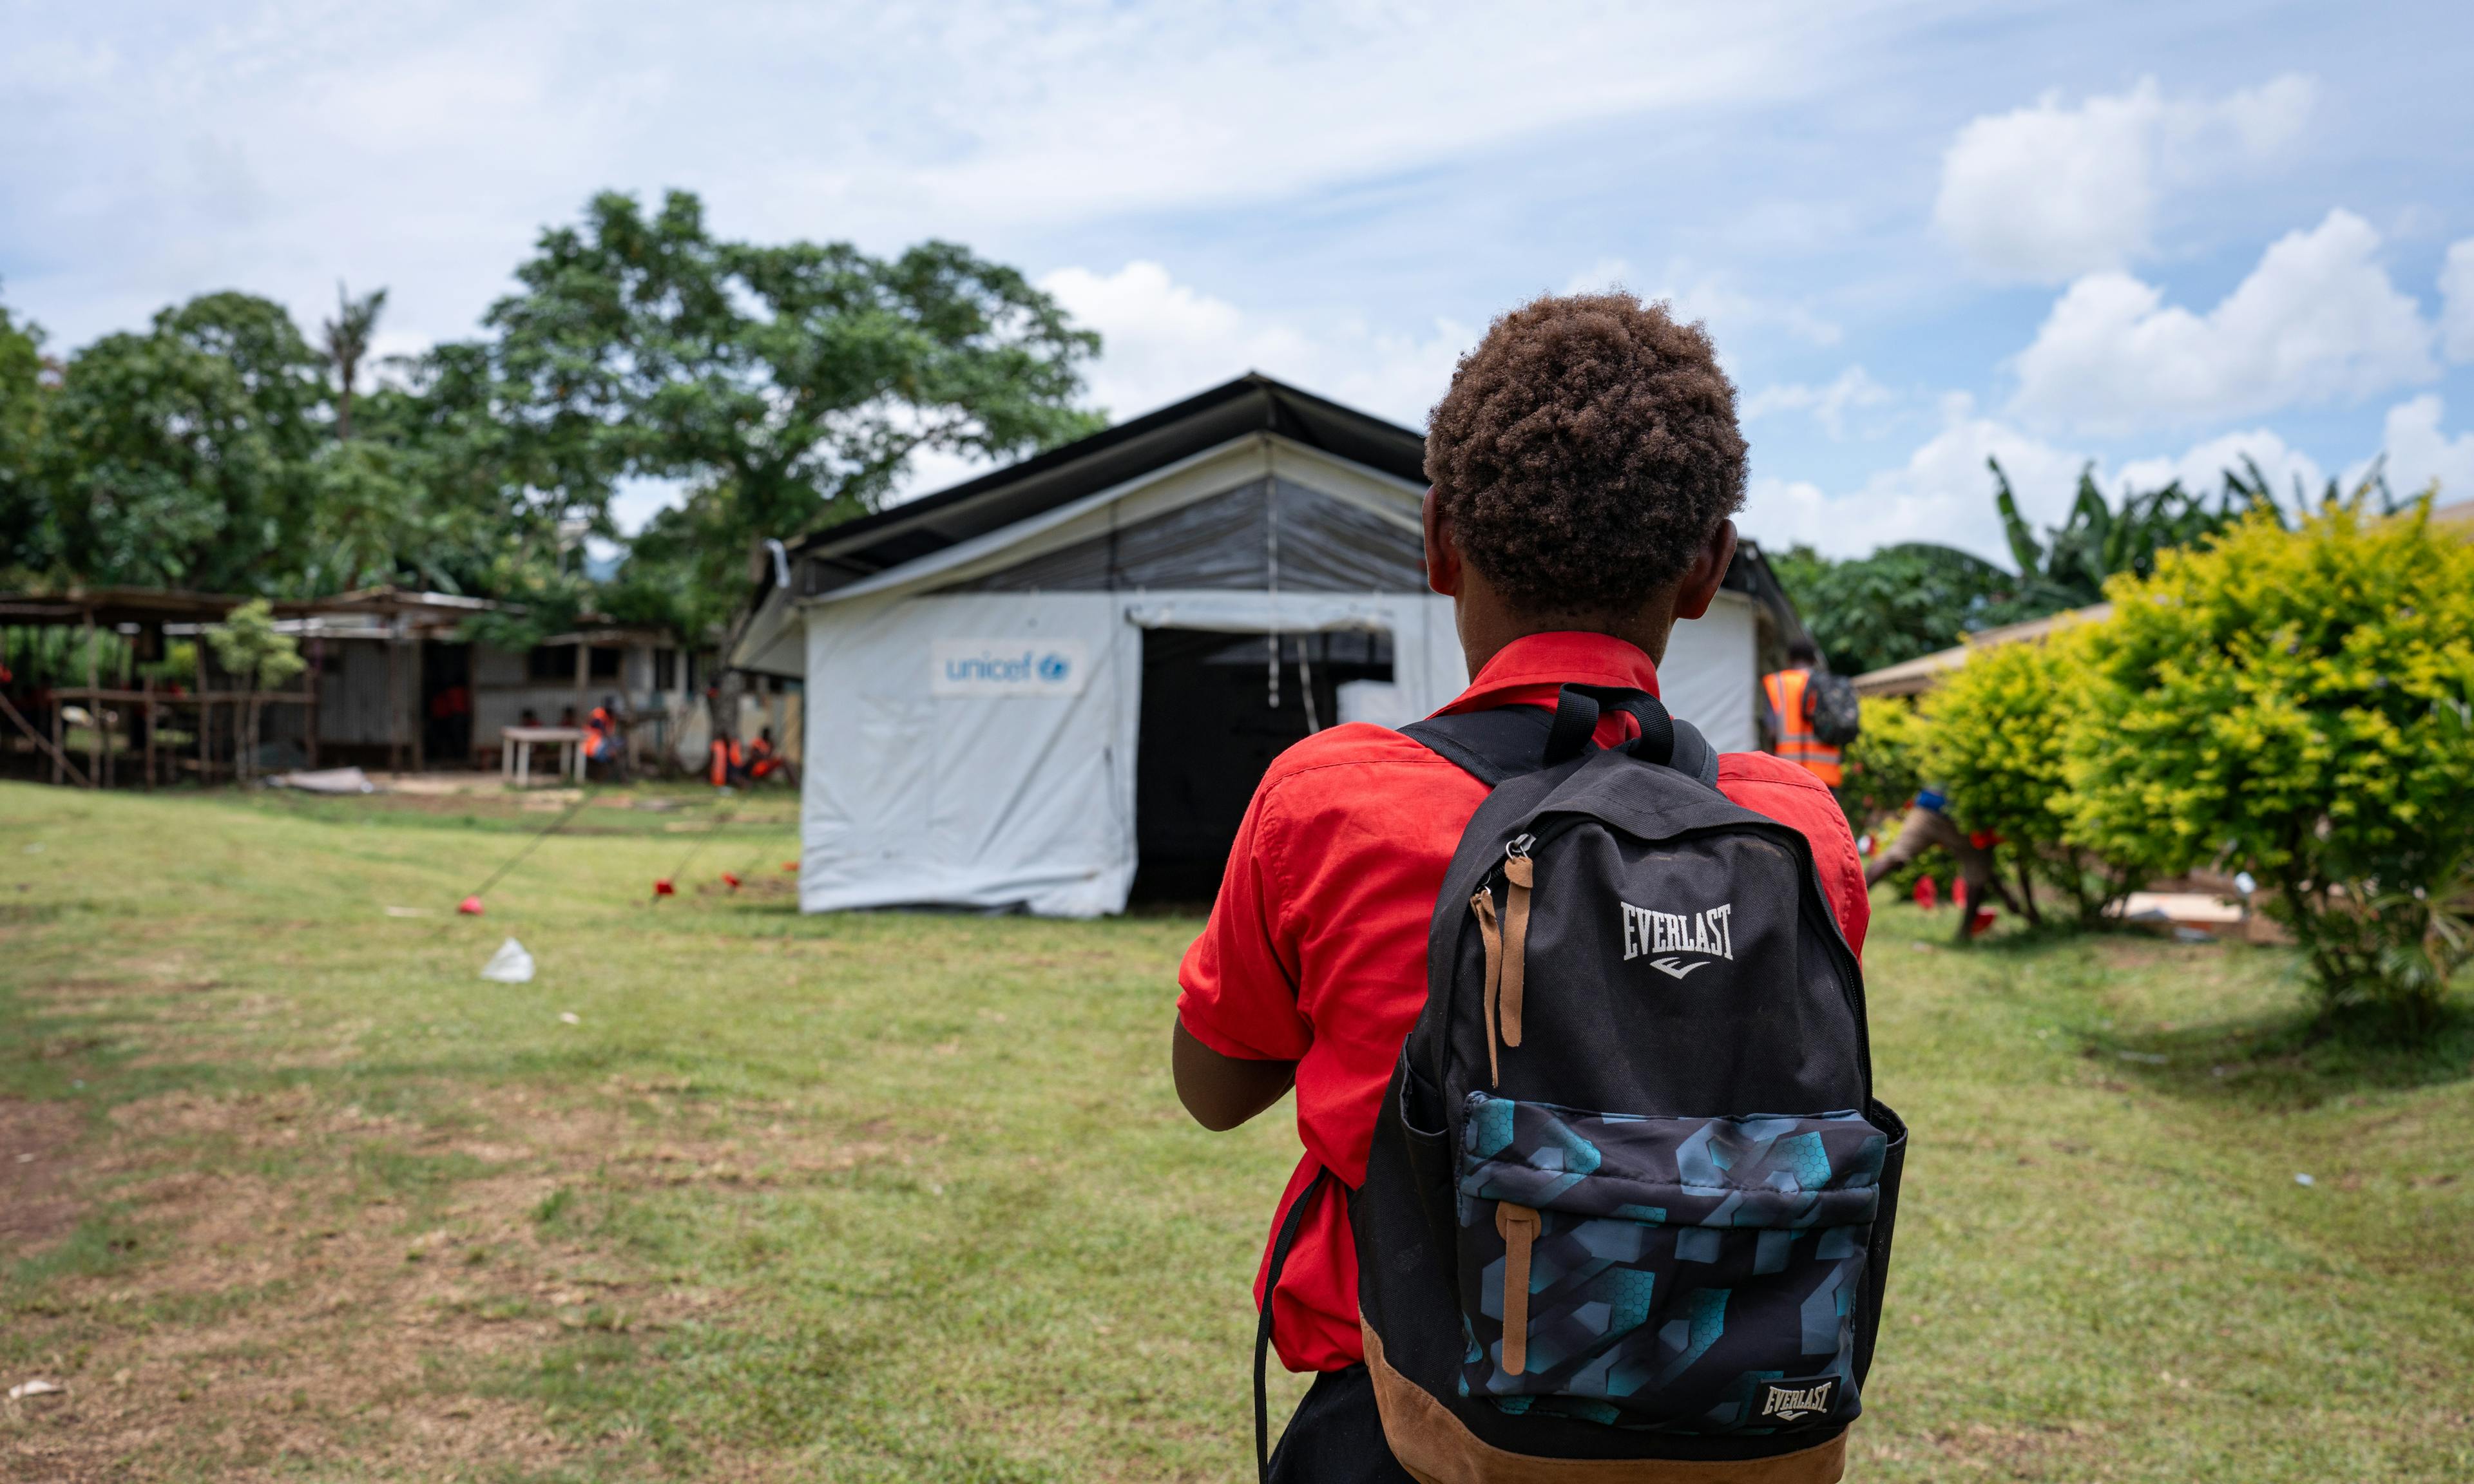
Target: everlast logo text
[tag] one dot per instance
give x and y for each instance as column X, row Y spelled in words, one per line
column 1794, row 1403
column 1671, row 933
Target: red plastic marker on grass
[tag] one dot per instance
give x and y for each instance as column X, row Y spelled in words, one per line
column 470, row 906
column 790, row 865
column 730, row 880
column 663, row 888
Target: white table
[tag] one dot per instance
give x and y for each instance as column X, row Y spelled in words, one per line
column 515, row 752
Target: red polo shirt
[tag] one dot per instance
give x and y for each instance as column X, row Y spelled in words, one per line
column 1316, row 951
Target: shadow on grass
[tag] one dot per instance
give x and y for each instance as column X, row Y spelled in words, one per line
column 2294, row 1059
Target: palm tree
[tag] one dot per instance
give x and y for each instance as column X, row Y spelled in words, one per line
column 348, row 343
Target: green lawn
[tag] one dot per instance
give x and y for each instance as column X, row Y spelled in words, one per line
column 907, row 1197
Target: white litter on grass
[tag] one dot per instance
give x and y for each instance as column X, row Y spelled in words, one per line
column 2304, row 1179
column 571, row 1017
column 38, row 1387
column 510, row 965
column 409, row 912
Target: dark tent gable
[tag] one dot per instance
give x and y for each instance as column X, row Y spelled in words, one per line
column 1267, row 533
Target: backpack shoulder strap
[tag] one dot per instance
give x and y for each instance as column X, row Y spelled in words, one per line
column 1509, row 741
column 1489, row 746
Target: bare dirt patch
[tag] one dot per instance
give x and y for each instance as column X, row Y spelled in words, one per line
column 35, row 1203
column 292, row 1309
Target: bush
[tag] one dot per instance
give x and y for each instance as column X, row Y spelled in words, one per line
column 1883, row 769
column 2295, row 704
column 1993, row 737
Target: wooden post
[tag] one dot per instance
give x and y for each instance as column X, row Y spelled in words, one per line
column 420, row 714
column 395, row 707
column 309, row 710
column 94, row 711
column 583, row 663
column 148, row 686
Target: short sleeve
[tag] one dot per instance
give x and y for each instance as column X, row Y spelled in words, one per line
column 1238, row 986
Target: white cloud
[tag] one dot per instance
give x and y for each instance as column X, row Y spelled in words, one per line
column 1829, row 404
column 2421, row 453
column 1163, row 340
column 2202, row 470
column 1943, row 493
column 1704, row 299
column 2457, row 300
column 280, row 145
column 2317, row 320
column 2046, row 192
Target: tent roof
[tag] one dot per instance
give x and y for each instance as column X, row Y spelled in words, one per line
column 857, row 549
column 915, row 531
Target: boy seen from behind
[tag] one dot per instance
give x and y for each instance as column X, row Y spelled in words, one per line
column 1584, row 464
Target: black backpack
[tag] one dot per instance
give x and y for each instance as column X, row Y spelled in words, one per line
column 1830, row 705
column 1629, row 1196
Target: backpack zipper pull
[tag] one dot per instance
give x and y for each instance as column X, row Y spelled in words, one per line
column 1519, row 1226
column 1482, row 907
column 1519, row 874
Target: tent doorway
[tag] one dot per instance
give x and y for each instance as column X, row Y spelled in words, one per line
column 1211, row 723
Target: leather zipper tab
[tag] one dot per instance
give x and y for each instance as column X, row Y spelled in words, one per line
column 1491, row 936
column 1519, row 1226
column 1519, row 874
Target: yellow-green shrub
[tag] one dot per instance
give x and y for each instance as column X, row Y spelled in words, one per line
column 1994, row 739
column 2295, row 704
column 1883, row 767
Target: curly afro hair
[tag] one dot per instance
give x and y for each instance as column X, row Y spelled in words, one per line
column 1585, row 452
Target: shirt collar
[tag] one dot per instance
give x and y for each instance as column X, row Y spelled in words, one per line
column 1548, row 661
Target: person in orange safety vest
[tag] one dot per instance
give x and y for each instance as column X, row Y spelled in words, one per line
column 1789, row 696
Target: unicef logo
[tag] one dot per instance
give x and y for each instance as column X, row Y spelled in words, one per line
column 997, row 667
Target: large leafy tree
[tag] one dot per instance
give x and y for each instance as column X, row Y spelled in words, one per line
column 24, row 515
column 1899, row 603
column 786, row 385
column 181, row 457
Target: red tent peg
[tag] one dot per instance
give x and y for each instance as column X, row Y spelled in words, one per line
column 730, row 880
column 1928, row 894
column 790, row 865
column 663, row 888
column 470, row 906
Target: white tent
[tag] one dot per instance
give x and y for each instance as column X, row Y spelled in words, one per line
column 1027, row 690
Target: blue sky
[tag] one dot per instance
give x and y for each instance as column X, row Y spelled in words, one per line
column 2150, row 235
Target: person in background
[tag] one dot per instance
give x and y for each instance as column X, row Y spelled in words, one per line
column 1788, row 692
column 1928, row 824
column 603, row 741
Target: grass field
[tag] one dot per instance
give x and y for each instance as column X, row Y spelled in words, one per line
column 287, row 1192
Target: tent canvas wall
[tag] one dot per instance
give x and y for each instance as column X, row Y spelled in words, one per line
column 978, row 662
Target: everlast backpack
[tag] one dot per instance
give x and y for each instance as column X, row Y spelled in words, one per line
column 1831, row 706
column 1628, row 1201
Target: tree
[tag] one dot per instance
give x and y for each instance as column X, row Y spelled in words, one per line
column 24, row 515
column 247, row 645
column 788, row 385
column 346, row 340
column 2299, row 704
column 181, row 457
column 2097, row 542
column 1899, row 603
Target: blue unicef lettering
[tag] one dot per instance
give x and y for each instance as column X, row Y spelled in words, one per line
column 1022, row 669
